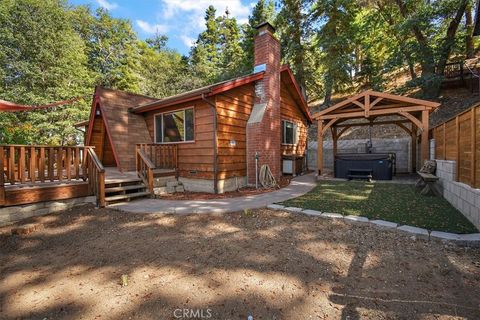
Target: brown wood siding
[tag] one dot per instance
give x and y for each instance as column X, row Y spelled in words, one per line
column 291, row 111
column 195, row 159
column 459, row 140
column 233, row 110
column 100, row 141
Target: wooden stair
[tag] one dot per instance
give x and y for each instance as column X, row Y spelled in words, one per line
column 121, row 190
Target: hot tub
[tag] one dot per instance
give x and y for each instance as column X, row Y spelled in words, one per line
column 381, row 165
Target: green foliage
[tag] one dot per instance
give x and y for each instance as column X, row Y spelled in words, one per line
column 164, row 72
column 50, row 51
column 42, row 61
column 264, row 11
column 111, row 47
column 217, row 53
column 294, row 29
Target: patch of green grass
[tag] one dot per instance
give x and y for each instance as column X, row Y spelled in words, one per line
column 400, row 203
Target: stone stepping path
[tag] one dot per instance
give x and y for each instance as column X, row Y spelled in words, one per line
column 471, row 240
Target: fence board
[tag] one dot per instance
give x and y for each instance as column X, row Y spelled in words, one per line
column 458, row 139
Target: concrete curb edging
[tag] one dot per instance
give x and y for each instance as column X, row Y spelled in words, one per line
column 9, row 215
column 470, row 240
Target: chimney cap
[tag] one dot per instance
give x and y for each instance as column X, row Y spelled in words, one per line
column 266, row 25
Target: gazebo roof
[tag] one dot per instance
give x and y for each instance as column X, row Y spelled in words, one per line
column 373, row 104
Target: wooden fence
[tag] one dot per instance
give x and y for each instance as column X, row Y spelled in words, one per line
column 458, row 139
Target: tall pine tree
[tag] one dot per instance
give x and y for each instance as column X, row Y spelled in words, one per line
column 264, row 11
column 217, row 54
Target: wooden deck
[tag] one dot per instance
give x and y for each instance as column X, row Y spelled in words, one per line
column 31, row 174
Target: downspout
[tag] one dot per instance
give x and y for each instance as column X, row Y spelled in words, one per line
column 215, row 160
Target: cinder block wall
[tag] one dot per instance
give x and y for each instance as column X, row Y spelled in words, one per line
column 463, row 197
column 401, row 147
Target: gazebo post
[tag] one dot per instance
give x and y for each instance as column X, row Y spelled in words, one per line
column 413, row 146
column 335, row 141
column 424, row 142
column 320, row 147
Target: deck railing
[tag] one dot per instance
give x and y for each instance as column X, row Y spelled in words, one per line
column 36, row 165
column 96, row 176
column 163, row 156
column 145, row 168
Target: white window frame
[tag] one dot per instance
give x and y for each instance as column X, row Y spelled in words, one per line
column 295, row 134
column 163, row 126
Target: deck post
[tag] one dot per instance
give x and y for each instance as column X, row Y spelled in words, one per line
column 101, row 189
column 414, row 148
column 424, row 142
column 320, row 147
column 335, row 141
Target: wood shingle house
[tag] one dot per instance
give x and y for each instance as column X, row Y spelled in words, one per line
column 209, row 137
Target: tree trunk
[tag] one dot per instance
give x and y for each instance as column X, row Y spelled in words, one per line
column 469, row 45
column 432, row 72
column 328, row 90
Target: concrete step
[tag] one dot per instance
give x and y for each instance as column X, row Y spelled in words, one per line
column 127, row 196
column 125, row 188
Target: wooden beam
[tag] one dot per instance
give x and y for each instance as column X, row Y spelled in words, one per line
column 320, row 147
column 339, row 105
column 361, row 105
column 424, row 142
column 360, row 124
column 329, row 124
column 335, row 140
column 414, row 148
column 414, row 120
column 394, row 97
column 367, row 106
column 376, row 101
column 377, row 112
column 340, row 134
column 401, row 125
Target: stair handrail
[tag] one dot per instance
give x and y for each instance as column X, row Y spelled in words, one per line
column 145, row 168
column 96, row 176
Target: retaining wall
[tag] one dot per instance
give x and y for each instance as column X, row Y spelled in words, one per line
column 463, row 197
column 10, row 215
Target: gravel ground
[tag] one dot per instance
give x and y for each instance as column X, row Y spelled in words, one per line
column 275, row 265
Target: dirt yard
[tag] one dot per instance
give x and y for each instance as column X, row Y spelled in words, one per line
column 274, row 265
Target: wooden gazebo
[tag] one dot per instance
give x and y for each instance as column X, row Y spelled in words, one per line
column 377, row 108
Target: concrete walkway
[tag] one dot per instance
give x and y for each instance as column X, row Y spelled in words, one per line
column 299, row 186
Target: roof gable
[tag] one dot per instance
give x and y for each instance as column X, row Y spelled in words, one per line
column 124, row 129
column 289, row 79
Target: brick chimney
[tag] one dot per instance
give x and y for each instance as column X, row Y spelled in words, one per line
column 264, row 125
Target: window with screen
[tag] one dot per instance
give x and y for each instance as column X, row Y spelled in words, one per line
column 289, row 132
column 177, row 126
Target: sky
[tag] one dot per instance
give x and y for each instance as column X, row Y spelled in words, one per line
column 180, row 20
